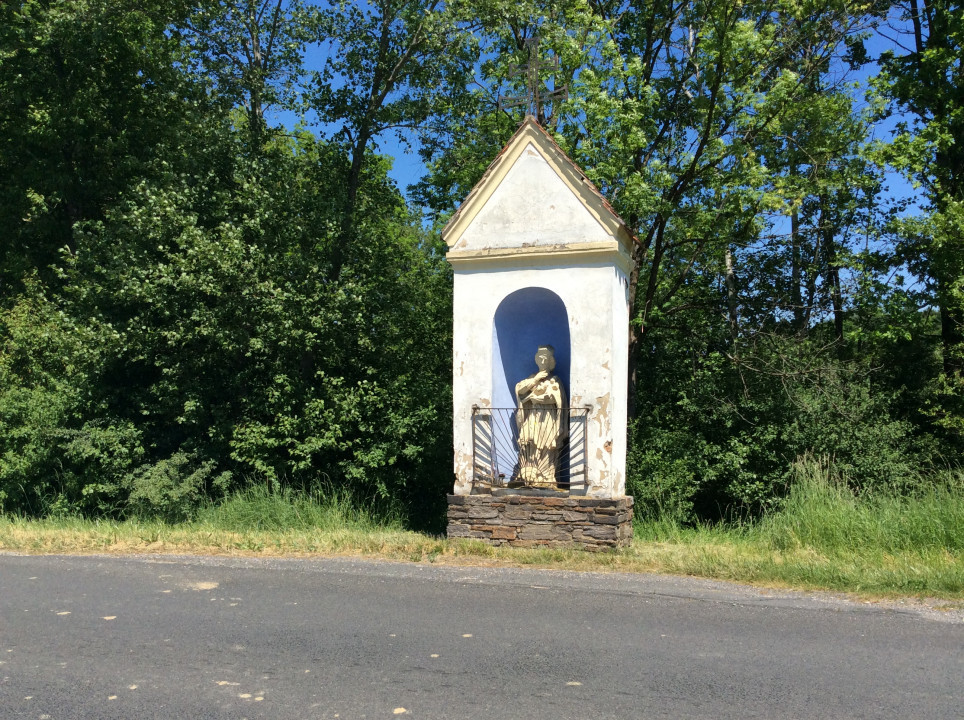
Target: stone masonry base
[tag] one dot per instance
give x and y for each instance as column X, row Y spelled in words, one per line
column 524, row 521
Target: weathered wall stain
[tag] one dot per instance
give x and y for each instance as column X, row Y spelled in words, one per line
column 463, row 470
column 601, row 415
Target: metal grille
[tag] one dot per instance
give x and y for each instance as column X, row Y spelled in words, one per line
column 496, row 456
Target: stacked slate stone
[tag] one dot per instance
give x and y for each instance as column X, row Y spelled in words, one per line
column 523, row 521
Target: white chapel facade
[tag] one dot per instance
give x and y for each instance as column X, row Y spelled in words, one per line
column 540, row 258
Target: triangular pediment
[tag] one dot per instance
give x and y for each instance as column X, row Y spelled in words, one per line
column 533, row 197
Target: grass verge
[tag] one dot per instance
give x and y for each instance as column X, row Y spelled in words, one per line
column 824, row 538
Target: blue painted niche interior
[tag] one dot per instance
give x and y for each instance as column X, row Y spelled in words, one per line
column 524, row 320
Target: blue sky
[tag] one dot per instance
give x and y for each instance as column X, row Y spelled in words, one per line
column 408, row 168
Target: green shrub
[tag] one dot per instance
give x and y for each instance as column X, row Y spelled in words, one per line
column 46, row 362
column 720, row 440
column 174, row 488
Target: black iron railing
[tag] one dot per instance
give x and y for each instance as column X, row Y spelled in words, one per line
column 552, row 452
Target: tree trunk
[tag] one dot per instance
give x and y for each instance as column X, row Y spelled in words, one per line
column 952, row 329
column 636, row 331
column 732, row 305
column 796, row 296
column 256, row 80
column 832, row 271
column 340, row 252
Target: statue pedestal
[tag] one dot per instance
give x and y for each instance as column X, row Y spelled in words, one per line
column 541, row 518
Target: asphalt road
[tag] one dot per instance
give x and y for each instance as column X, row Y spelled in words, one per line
column 163, row 637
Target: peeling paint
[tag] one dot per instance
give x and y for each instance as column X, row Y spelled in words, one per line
column 463, row 462
column 608, row 446
column 601, row 415
column 463, row 472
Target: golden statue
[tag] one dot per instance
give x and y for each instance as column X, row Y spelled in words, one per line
column 542, row 421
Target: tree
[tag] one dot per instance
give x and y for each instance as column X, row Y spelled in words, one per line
column 90, row 99
column 926, row 84
column 193, row 336
column 253, row 53
column 391, row 63
column 671, row 111
column 554, row 39
column 718, row 134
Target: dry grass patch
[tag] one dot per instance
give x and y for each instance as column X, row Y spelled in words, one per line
column 933, row 574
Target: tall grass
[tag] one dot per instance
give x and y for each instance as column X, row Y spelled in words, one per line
column 257, row 508
column 824, row 514
column 825, row 536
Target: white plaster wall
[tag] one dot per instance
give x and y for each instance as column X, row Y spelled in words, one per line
column 531, row 206
column 596, row 298
column 620, row 303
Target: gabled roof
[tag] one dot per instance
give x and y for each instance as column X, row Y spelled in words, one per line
column 531, row 133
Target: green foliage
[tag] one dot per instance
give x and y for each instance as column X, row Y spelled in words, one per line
column 39, row 354
column 826, row 535
column 218, row 347
column 195, row 334
column 251, row 51
column 90, row 100
column 196, row 303
column 56, row 452
column 234, row 346
column 716, row 440
column 391, row 62
column 175, row 487
column 924, row 85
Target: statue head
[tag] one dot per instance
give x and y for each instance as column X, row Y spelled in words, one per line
column 546, row 358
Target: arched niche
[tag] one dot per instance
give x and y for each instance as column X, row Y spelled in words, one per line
column 524, row 320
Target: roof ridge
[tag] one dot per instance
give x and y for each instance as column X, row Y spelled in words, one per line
column 531, row 121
